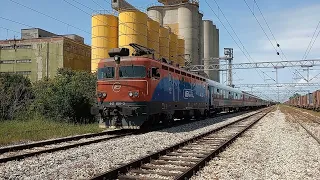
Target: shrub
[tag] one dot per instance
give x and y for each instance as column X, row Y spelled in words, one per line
column 15, row 95
column 68, row 96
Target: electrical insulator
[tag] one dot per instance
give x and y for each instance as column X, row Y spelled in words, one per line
column 278, row 45
column 278, row 53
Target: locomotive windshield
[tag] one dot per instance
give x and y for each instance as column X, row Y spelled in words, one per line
column 106, row 72
column 132, row 72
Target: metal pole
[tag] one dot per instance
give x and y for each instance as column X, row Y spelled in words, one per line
column 230, row 74
column 308, row 75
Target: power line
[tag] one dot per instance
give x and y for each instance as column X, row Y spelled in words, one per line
column 262, row 28
column 311, row 45
column 16, row 32
column 232, row 37
column 268, row 36
column 238, row 37
column 104, row 22
column 31, row 27
column 270, row 29
column 52, row 18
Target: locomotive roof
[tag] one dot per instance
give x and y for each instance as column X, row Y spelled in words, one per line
column 221, row 86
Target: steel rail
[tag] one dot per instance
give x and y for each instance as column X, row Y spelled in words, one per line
column 50, row 150
column 116, row 172
column 304, row 127
column 309, row 132
column 55, row 141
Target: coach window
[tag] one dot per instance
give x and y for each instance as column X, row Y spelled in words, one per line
column 155, row 72
column 132, row 72
column 106, row 73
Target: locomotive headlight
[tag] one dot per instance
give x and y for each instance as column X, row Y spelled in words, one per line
column 117, row 59
column 102, row 95
column 130, row 94
column 135, row 94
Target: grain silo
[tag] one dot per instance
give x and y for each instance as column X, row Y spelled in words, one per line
column 173, row 41
column 104, row 37
column 164, row 42
column 208, row 51
column 182, row 16
column 216, row 48
column 201, row 43
column 132, row 29
column 156, row 14
column 181, row 53
column 153, row 37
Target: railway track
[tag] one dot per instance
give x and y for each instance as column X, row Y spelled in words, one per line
column 298, row 116
column 23, row 151
column 18, row 152
column 182, row 160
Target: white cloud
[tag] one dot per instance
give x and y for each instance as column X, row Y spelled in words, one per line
column 293, row 30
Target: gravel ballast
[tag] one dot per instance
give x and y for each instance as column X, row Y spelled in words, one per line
column 87, row 161
column 274, row 148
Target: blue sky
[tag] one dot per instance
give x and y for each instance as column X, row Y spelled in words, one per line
column 291, row 21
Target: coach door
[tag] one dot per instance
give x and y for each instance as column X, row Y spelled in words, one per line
column 210, row 88
column 176, row 90
column 172, row 88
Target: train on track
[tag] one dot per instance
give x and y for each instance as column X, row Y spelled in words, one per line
column 138, row 91
column 308, row 101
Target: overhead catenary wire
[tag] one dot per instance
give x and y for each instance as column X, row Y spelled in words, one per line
column 270, row 29
column 102, row 21
column 17, row 22
column 53, row 19
column 239, row 38
column 233, row 38
column 262, row 28
column 311, row 43
column 267, row 34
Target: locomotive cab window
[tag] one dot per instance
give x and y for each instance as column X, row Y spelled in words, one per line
column 155, row 72
column 106, row 73
column 132, row 72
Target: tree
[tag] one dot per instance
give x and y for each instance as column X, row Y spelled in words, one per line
column 68, row 96
column 15, row 95
column 295, row 95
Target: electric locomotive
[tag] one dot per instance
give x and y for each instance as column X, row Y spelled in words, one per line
column 137, row 91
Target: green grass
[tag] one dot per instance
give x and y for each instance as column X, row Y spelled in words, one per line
column 35, row 129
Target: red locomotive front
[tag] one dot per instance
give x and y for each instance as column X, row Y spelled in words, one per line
column 124, row 90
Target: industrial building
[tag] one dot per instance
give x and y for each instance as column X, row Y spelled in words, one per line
column 175, row 30
column 40, row 53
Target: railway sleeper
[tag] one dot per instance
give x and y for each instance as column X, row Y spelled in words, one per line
column 135, row 177
column 171, row 158
column 186, row 155
column 161, row 173
column 180, row 168
column 192, row 151
column 177, row 163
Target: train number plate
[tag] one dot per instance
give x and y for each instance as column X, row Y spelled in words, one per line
column 117, row 103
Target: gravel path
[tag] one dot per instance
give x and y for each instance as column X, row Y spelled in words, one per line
column 273, row 149
column 35, row 149
column 87, row 161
